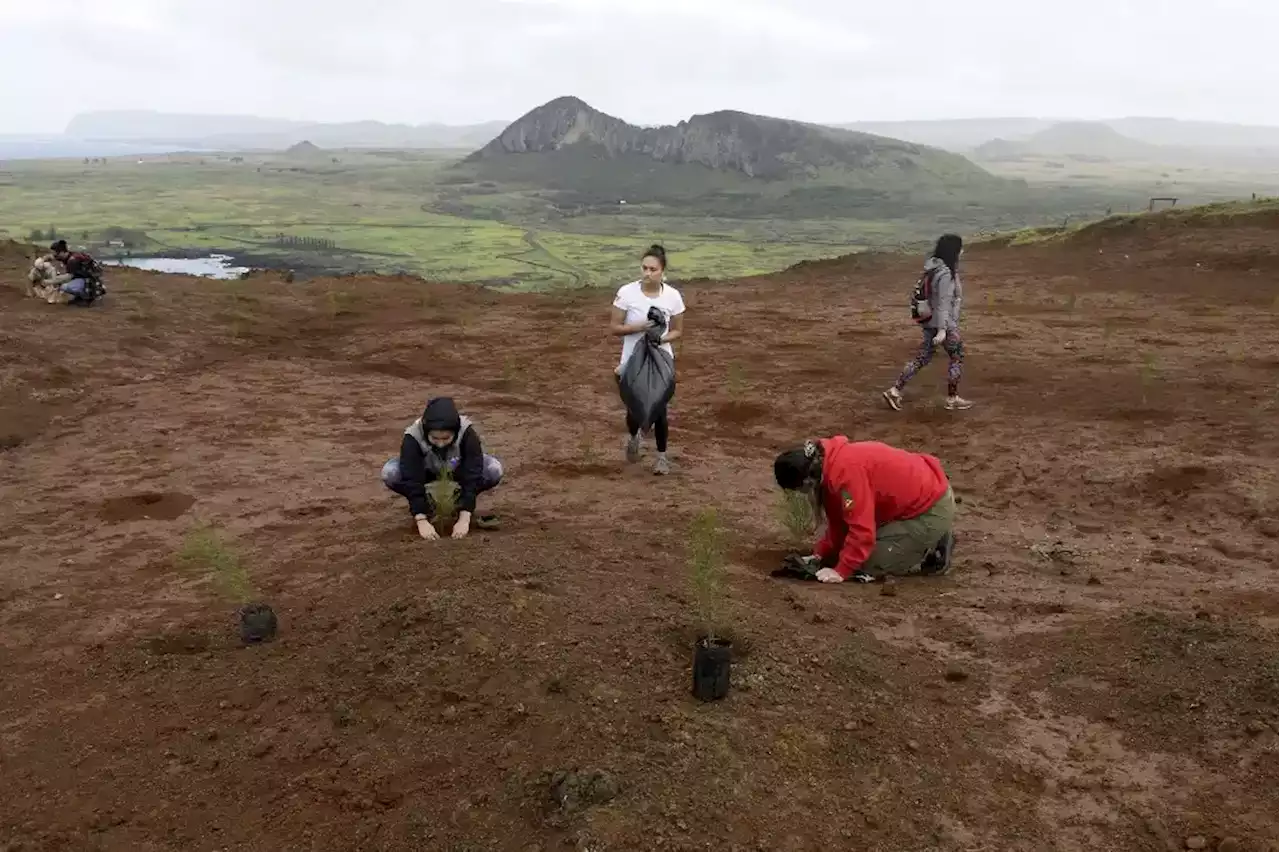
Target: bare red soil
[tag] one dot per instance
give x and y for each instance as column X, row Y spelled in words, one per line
column 1099, row 671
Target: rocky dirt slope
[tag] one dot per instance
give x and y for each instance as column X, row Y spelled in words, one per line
column 1099, row 672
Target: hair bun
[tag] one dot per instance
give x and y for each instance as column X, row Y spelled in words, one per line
column 657, row 250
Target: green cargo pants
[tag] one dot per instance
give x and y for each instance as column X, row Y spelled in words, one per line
column 902, row 545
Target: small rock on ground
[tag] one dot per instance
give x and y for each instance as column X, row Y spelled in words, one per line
column 573, row 791
column 1196, row 842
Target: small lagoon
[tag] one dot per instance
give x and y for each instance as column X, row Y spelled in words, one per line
column 213, row 266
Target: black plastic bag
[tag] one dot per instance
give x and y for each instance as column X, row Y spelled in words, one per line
column 648, row 381
column 797, row 567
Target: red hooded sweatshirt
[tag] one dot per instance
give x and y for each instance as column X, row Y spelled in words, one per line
column 865, row 485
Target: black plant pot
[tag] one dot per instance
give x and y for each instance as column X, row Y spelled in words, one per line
column 257, row 623
column 711, row 659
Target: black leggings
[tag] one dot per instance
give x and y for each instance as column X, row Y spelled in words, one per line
column 659, row 429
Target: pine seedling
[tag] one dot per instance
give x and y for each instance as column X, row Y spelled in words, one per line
column 706, row 569
column 444, row 493
column 587, row 447
column 796, row 513
column 735, row 381
column 1148, row 373
column 204, row 551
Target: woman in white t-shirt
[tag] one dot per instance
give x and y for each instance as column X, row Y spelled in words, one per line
column 630, row 320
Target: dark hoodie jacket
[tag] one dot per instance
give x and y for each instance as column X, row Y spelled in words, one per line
column 416, row 470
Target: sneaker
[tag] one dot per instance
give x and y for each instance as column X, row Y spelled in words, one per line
column 633, row 449
column 958, row 403
column 661, row 467
column 893, row 396
column 938, row 562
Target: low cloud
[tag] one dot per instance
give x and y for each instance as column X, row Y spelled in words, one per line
column 660, row 61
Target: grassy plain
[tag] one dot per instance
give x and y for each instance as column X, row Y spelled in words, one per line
column 380, row 213
column 413, row 212
column 1189, row 184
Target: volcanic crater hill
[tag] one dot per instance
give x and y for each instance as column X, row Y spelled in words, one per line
column 755, row 146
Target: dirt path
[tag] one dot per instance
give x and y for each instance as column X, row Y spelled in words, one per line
column 1099, row 672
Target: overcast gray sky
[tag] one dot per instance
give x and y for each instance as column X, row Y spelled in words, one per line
column 647, row 61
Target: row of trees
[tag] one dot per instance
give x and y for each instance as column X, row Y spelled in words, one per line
column 306, row 242
column 128, row 236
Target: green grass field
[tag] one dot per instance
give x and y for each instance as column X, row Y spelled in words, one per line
column 410, row 212
column 380, row 213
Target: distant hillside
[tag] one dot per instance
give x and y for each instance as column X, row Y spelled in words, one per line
column 303, row 149
column 1067, row 139
column 960, row 134
column 229, row 132
column 965, row 134
column 1197, row 134
column 1101, row 141
column 752, row 145
column 727, row 163
column 144, row 124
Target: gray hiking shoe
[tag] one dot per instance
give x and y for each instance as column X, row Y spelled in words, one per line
column 893, row 397
column 633, row 449
column 958, row 403
column 661, row 467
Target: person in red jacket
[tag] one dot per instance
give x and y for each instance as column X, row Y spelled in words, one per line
column 887, row 511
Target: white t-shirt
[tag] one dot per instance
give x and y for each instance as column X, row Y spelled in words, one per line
column 636, row 304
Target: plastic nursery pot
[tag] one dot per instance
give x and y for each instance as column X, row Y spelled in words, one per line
column 257, row 623
column 711, row 659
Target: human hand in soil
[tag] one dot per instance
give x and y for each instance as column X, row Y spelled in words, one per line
column 829, row 575
column 426, row 530
column 463, row 525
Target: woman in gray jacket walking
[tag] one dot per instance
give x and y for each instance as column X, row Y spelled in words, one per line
column 942, row 326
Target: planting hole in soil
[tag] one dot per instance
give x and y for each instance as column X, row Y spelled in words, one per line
column 257, row 623
column 763, row 559
column 711, row 662
column 149, row 506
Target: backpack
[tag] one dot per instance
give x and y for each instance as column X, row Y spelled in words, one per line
column 83, row 265
column 922, row 297
column 90, row 269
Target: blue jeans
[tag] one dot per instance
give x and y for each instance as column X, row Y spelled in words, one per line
column 489, row 480
column 74, row 287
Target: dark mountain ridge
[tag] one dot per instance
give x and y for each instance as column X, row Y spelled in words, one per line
column 755, row 146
